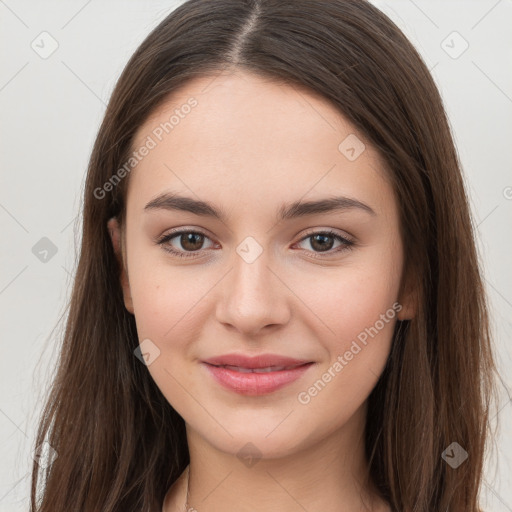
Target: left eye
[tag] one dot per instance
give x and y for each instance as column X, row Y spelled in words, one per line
column 324, row 240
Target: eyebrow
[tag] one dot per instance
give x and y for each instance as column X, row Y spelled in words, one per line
column 297, row 209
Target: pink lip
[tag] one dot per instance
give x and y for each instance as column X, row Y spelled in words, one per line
column 249, row 383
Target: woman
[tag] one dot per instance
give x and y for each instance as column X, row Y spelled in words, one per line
column 278, row 303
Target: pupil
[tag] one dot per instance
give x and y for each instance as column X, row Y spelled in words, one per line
column 188, row 239
column 322, row 238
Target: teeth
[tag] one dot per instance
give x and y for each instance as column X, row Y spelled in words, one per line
column 270, row 369
column 257, row 370
column 236, row 369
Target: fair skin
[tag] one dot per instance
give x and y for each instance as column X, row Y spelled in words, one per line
column 249, row 146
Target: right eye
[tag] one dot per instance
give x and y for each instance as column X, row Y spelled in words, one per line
column 191, row 242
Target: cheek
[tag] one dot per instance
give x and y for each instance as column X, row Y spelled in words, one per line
column 339, row 309
column 338, row 303
column 358, row 308
column 167, row 299
column 353, row 297
column 170, row 307
column 361, row 321
column 359, row 305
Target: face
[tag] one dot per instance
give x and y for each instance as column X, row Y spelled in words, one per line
column 260, row 269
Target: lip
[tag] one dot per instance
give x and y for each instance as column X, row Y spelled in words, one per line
column 258, row 361
column 242, row 376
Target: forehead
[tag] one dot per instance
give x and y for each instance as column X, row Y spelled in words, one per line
column 249, row 139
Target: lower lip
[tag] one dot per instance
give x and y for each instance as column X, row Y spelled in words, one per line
column 256, row 383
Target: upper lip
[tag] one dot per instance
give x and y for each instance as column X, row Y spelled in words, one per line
column 258, row 361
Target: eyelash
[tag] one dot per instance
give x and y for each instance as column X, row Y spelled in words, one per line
column 347, row 244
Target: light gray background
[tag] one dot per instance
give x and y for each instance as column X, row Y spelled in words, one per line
column 51, row 109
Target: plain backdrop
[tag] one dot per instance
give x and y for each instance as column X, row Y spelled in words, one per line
column 59, row 62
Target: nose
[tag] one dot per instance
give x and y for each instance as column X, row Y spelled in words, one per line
column 253, row 297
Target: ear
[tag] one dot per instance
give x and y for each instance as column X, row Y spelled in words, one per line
column 117, row 242
column 408, row 299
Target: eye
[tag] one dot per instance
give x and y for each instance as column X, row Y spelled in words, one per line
column 323, row 242
column 190, row 241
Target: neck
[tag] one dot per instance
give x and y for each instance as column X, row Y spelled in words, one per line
column 329, row 476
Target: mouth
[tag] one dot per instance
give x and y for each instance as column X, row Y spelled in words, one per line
column 256, row 381
column 267, row 369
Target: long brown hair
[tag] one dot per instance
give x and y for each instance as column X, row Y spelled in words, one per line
column 120, row 444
